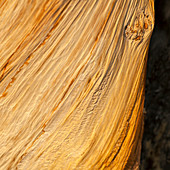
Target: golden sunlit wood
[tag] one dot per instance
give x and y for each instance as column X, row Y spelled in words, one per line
column 72, row 76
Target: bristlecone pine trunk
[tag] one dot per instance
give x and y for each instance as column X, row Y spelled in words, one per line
column 72, row 76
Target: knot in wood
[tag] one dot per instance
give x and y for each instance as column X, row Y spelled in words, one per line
column 138, row 26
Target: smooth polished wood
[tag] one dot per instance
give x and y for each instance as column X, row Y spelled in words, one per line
column 72, row 76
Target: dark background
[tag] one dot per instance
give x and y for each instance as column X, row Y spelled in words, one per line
column 156, row 139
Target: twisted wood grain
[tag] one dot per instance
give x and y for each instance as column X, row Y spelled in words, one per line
column 72, row 75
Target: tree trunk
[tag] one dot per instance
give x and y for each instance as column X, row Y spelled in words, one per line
column 72, row 76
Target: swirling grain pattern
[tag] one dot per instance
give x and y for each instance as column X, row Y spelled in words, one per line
column 72, row 75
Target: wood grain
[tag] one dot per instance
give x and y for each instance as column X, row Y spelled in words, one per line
column 72, row 76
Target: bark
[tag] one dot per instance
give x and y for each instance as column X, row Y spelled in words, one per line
column 72, row 76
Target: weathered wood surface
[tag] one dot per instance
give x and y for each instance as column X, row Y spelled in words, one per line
column 72, row 75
